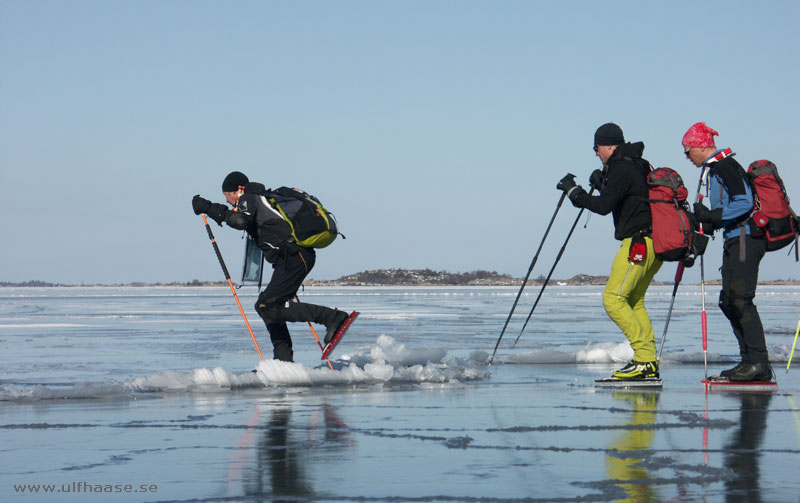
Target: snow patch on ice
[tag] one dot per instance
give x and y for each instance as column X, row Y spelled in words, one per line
column 388, row 361
column 109, row 388
column 611, row 352
column 201, row 379
column 386, row 349
column 603, row 352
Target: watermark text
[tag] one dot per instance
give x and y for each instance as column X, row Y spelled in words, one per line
column 85, row 488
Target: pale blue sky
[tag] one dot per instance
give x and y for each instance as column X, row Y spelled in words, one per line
column 435, row 130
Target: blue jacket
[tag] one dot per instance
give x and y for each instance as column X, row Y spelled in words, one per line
column 729, row 189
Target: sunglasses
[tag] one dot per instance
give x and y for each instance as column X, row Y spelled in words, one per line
column 595, row 149
column 686, row 152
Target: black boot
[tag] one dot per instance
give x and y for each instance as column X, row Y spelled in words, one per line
column 334, row 325
column 283, row 352
column 281, row 342
column 752, row 372
column 734, row 370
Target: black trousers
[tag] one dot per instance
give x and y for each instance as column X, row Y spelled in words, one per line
column 276, row 304
column 739, row 281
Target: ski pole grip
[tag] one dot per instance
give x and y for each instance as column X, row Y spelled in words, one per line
column 679, row 273
column 700, row 200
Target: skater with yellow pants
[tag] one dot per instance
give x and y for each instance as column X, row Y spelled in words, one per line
column 623, row 298
column 623, row 192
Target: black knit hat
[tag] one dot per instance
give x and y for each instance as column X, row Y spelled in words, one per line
column 609, row 134
column 233, row 181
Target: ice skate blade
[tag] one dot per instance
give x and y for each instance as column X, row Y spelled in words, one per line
column 610, row 382
column 724, row 384
column 329, row 347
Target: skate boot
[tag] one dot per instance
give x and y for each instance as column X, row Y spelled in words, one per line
column 334, row 325
column 637, row 370
column 761, row 372
column 734, row 370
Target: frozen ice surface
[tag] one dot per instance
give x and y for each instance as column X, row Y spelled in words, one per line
column 159, row 392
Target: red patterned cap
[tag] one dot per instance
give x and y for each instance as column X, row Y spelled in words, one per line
column 699, row 135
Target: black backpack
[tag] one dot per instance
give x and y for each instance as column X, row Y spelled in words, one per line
column 312, row 225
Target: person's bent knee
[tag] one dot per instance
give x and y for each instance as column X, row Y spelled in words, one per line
column 612, row 302
column 741, row 305
column 270, row 312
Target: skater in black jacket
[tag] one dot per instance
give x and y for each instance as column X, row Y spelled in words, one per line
column 291, row 263
column 622, row 191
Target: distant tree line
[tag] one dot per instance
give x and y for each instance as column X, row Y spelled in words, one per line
column 36, row 283
column 31, row 283
column 423, row 277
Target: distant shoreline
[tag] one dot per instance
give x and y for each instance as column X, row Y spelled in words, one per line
column 391, row 277
column 335, row 284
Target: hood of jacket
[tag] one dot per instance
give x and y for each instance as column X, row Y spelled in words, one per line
column 254, row 188
column 629, row 150
column 632, row 152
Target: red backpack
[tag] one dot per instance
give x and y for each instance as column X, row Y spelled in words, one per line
column 771, row 211
column 674, row 236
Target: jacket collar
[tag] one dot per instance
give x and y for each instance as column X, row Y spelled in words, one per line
column 718, row 156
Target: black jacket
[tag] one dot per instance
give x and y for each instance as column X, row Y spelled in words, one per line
column 625, row 192
column 263, row 222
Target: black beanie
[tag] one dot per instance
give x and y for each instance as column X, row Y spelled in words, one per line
column 609, row 134
column 233, row 181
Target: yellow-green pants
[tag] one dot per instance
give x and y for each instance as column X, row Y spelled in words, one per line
column 623, row 299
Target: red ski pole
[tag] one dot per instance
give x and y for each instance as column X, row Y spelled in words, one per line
column 230, row 283
column 704, row 320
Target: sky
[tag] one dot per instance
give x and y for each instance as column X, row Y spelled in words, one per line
column 435, row 131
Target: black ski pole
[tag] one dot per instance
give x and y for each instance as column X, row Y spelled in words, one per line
column 528, row 275
column 547, row 279
column 678, row 277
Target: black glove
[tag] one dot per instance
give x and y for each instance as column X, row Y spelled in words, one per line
column 706, row 216
column 596, row 180
column 566, row 183
column 200, row 205
column 216, row 211
column 575, row 192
